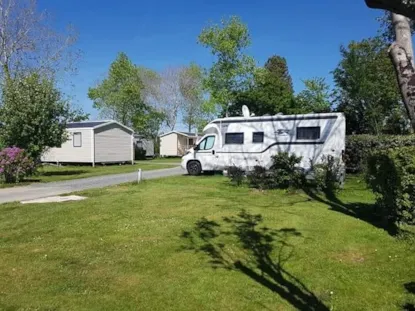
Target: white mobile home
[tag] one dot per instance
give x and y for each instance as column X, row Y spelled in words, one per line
column 175, row 143
column 249, row 141
column 94, row 142
column 144, row 143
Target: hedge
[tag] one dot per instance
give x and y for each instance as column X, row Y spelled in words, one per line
column 391, row 176
column 358, row 148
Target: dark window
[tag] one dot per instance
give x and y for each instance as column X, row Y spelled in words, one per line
column 310, row 133
column 190, row 141
column 234, row 138
column 77, row 139
column 258, row 137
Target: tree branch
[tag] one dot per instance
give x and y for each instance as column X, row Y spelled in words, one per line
column 403, row 7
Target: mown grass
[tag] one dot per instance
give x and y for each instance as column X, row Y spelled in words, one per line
column 49, row 173
column 183, row 243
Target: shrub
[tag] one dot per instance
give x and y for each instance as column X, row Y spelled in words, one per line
column 285, row 172
column 139, row 153
column 236, row 175
column 328, row 175
column 15, row 164
column 259, row 178
column 391, row 176
column 359, row 147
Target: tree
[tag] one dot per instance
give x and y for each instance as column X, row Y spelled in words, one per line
column 315, row 97
column 34, row 114
column 119, row 95
column 366, row 88
column 387, row 29
column 271, row 91
column 277, row 65
column 403, row 7
column 402, row 55
column 401, row 51
column 232, row 70
column 149, row 123
column 191, row 87
column 28, row 43
column 170, row 96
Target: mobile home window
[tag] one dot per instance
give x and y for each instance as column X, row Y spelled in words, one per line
column 234, row 138
column 77, row 139
column 258, row 137
column 308, row 133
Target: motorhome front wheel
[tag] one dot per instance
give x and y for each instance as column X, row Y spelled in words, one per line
column 194, row 168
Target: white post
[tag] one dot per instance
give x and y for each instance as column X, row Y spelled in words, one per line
column 139, row 175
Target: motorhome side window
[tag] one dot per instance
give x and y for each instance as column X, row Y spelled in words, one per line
column 207, row 143
column 258, row 137
column 308, row 133
column 234, row 138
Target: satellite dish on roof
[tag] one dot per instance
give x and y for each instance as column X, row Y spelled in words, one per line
column 245, row 111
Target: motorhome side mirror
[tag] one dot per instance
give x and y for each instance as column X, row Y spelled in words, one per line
column 196, row 147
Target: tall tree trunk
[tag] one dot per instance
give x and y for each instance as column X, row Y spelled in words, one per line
column 402, row 55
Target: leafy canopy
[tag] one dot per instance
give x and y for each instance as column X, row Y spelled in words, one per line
column 315, row 97
column 34, row 115
column 366, row 88
column 232, row 70
column 271, row 91
column 191, row 88
column 119, row 95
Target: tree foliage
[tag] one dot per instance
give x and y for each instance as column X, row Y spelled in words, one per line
column 232, row 70
column 191, row 87
column 29, row 43
column 119, row 95
column 271, row 91
column 34, row 115
column 386, row 30
column 171, row 99
column 366, row 87
column 315, row 97
column 149, row 123
column 277, row 66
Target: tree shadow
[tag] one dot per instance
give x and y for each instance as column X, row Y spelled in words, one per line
column 410, row 288
column 239, row 244
column 363, row 211
column 63, row 173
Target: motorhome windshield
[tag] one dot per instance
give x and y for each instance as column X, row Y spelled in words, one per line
column 207, row 143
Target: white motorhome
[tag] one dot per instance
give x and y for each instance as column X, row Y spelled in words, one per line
column 249, row 141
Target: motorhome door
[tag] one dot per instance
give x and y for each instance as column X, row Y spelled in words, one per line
column 205, row 152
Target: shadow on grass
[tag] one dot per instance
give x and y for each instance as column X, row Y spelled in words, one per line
column 410, row 288
column 239, row 244
column 363, row 211
column 63, row 173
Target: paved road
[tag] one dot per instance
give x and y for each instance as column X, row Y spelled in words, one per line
column 41, row 190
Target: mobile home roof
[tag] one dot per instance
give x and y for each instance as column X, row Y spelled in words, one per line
column 74, row 125
column 95, row 124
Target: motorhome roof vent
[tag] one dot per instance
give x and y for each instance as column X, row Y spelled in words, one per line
column 279, row 114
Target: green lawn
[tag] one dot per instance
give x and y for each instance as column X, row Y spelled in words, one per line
column 194, row 243
column 48, row 173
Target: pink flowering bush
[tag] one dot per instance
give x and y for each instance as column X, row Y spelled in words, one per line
column 15, row 164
